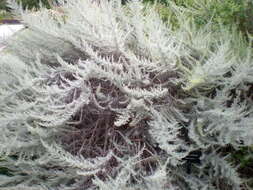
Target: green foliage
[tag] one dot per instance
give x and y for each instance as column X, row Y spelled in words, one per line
column 2, row 5
column 27, row 4
column 4, row 10
column 228, row 13
column 5, row 171
column 34, row 3
column 243, row 157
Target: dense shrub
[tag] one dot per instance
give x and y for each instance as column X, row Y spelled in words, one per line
column 97, row 95
column 228, row 13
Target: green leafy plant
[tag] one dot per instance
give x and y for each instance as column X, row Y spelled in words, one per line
column 228, row 13
column 34, row 3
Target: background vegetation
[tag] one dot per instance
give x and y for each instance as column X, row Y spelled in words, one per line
column 229, row 13
column 34, row 3
column 26, row 3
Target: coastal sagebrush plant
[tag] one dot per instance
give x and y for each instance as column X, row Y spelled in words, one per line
column 97, row 95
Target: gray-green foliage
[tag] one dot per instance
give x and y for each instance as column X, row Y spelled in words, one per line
column 104, row 96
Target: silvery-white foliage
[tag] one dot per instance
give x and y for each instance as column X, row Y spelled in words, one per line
column 97, row 95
